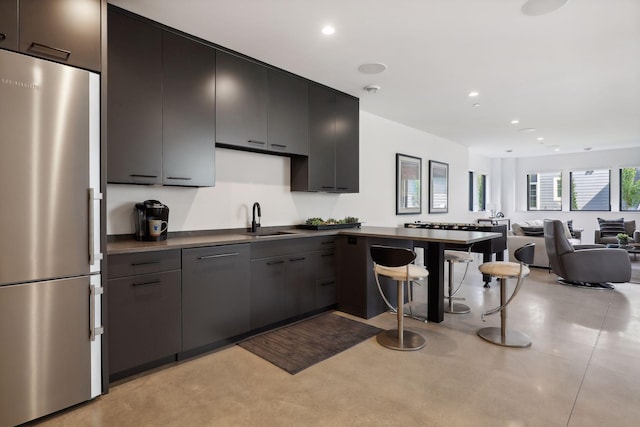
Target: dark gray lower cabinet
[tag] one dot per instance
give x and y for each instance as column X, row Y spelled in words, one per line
column 215, row 294
column 144, row 319
column 326, row 279
column 301, row 287
column 268, row 291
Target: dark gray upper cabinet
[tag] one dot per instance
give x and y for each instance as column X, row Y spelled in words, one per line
column 135, row 101
column 347, row 144
column 215, row 294
column 9, row 24
column 241, row 102
column 288, row 114
column 66, row 31
column 188, row 112
column 332, row 165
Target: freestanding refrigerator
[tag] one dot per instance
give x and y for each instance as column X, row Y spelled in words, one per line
column 50, row 288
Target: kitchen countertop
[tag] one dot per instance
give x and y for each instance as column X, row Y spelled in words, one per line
column 213, row 238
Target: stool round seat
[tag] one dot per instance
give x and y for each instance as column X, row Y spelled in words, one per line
column 503, row 269
column 451, row 257
column 400, row 273
column 457, row 256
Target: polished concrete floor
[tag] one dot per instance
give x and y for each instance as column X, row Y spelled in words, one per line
column 583, row 369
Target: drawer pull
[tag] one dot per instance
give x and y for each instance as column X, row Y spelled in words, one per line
column 297, row 259
column 328, row 283
column 275, row 262
column 342, row 188
column 253, row 141
column 218, row 256
column 139, row 175
column 328, row 187
column 153, row 282
column 138, row 264
column 325, row 255
column 279, row 146
column 179, row 178
column 330, row 242
column 48, row 50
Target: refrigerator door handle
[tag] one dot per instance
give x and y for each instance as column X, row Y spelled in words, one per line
column 92, row 254
column 93, row 329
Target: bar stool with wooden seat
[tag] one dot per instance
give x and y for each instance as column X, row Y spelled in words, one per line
column 504, row 270
column 452, row 257
column 396, row 263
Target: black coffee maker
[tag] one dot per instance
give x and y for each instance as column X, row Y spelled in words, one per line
column 152, row 220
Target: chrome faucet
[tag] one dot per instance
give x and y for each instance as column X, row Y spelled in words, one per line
column 255, row 226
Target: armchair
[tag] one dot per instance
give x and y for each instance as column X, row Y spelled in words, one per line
column 591, row 266
column 610, row 228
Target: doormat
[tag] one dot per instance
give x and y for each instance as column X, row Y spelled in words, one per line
column 295, row 347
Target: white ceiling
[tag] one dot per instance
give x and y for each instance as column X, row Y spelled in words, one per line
column 573, row 74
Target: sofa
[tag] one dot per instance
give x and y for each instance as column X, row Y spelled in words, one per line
column 532, row 232
column 609, row 229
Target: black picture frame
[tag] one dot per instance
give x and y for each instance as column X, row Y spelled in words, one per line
column 408, row 185
column 438, row 187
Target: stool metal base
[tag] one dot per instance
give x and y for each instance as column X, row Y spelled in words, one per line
column 512, row 338
column 410, row 340
column 457, row 308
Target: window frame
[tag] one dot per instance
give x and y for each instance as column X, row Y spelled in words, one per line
column 635, row 182
column 571, row 191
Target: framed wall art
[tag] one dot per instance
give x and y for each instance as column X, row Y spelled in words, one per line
column 408, row 184
column 439, row 187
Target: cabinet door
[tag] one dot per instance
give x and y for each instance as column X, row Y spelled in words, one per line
column 301, row 285
column 9, row 24
column 322, row 126
column 144, row 319
column 135, row 101
column 288, row 114
column 66, row 31
column 215, row 294
column 268, row 291
column 188, row 112
column 347, row 144
column 241, row 102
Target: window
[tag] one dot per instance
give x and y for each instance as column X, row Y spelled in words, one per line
column 544, row 191
column 590, row 190
column 477, row 191
column 630, row 189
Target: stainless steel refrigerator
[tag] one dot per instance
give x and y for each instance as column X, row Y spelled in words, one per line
column 50, row 288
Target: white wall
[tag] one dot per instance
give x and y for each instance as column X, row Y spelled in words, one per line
column 514, row 185
column 243, row 178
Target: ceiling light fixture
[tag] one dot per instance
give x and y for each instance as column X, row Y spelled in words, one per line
column 540, row 138
column 528, row 130
column 474, row 93
column 509, row 151
column 541, row 7
column 587, row 149
column 476, row 105
column 372, row 68
column 556, row 149
column 372, row 89
column 515, row 121
column 327, row 30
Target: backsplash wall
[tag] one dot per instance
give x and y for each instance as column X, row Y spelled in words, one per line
column 243, row 178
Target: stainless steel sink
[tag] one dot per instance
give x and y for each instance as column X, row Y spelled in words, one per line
column 271, row 233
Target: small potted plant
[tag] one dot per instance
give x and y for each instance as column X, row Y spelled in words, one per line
column 623, row 239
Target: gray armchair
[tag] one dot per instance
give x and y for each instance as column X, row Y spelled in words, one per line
column 602, row 237
column 584, row 265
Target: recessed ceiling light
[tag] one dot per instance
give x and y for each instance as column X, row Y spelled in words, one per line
column 528, row 130
column 372, row 68
column 515, row 121
column 587, row 149
column 541, row 7
column 540, row 138
column 474, row 93
column 556, row 149
column 509, row 151
column 372, row 89
column 327, row 30
column 476, row 105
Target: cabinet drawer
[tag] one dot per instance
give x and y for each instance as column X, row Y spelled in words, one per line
column 291, row 246
column 144, row 319
column 327, row 265
column 142, row 263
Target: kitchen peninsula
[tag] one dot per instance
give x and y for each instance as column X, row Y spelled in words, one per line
column 201, row 290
